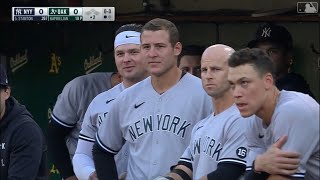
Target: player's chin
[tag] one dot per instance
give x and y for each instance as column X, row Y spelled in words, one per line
column 155, row 71
column 245, row 113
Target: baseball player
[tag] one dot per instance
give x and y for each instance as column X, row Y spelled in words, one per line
column 132, row 69
column 277, row 42
column 155, row 114
column 189, row 59
column 67, row 116
column 286, row 123
column 217, row 149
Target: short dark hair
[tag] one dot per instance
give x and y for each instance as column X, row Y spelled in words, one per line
column 259, row 59
column 163, row 24
column 191, row 50
column 129, row 27
column 5, row 87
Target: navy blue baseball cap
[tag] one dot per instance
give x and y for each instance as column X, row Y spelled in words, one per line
column 3, row 76
column 269, row 32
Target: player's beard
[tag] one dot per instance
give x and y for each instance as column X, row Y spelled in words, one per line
column 137, row 76
column 219, row 92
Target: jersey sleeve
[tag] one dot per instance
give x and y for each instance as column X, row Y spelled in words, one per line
column 235, row 147
column 187, row 158
column 65, row 109
column 109, row 136
column 253, row 143
column 89, row 124
column 83, row 164
column 302, row 129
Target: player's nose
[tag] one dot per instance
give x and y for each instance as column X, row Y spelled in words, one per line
column 152, row 52
column 126, row 57
column 236, row 91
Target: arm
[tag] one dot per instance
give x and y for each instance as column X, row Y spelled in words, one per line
column 83, row 164
column 290, row 140
column 232, row 160
column 108, row 142
column 27, row 152
column 181, row 171
column 277, row 161
column 228, row 171
column 104, row 163
column 58, row 150
column 274, row 161
column 63, row 120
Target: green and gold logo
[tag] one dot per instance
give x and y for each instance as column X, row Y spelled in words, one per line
column 92, row 63
column 55, row 64
column 19, row 60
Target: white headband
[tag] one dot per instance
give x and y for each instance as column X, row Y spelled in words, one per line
column 127, row 37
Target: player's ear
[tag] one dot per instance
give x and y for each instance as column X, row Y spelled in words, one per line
column 177, row 48
column 268, row 81
column 7, row 92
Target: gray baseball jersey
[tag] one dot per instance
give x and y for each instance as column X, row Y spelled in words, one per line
column 73, row 101
column 156, row 127
column 217, row 139
column 297, row 116
column 96, row 112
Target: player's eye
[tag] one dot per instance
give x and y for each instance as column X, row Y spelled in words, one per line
column 120, row 54
column 159, row 46
column 232, row 86
column 185, row 69
column 244, row 83
column 273, row 51
column 134, row 52
column 215, row 69
column 146, row 47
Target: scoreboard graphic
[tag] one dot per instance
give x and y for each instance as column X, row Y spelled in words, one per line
column 63, row 13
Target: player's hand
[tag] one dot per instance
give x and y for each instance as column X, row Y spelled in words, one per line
column 72, row 178
column 93, row 176
column 123, row 176
column 276, row 161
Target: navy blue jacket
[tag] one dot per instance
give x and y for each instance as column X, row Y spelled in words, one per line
column 22, row 145
column 294, row 82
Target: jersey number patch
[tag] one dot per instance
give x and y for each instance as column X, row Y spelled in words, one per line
column 242, row 152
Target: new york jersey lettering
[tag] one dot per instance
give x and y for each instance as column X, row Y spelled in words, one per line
column 162, row 122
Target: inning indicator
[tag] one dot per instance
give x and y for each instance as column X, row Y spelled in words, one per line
column 63, row 13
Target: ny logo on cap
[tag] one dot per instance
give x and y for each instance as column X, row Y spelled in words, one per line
column 266, row 32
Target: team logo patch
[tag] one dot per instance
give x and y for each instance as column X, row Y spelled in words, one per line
column 242, row 152
column 55, row 63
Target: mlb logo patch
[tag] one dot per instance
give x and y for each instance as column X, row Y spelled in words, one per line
column 307, row 7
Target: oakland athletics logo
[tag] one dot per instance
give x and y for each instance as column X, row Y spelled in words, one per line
column 19, row 60
column 55, row 64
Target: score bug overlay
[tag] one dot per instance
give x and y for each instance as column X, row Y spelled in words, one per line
column 63, row 13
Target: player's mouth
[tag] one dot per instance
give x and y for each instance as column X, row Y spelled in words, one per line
column 128, row 68
column 153, row 62
column 241, row 106
column 210, row 85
